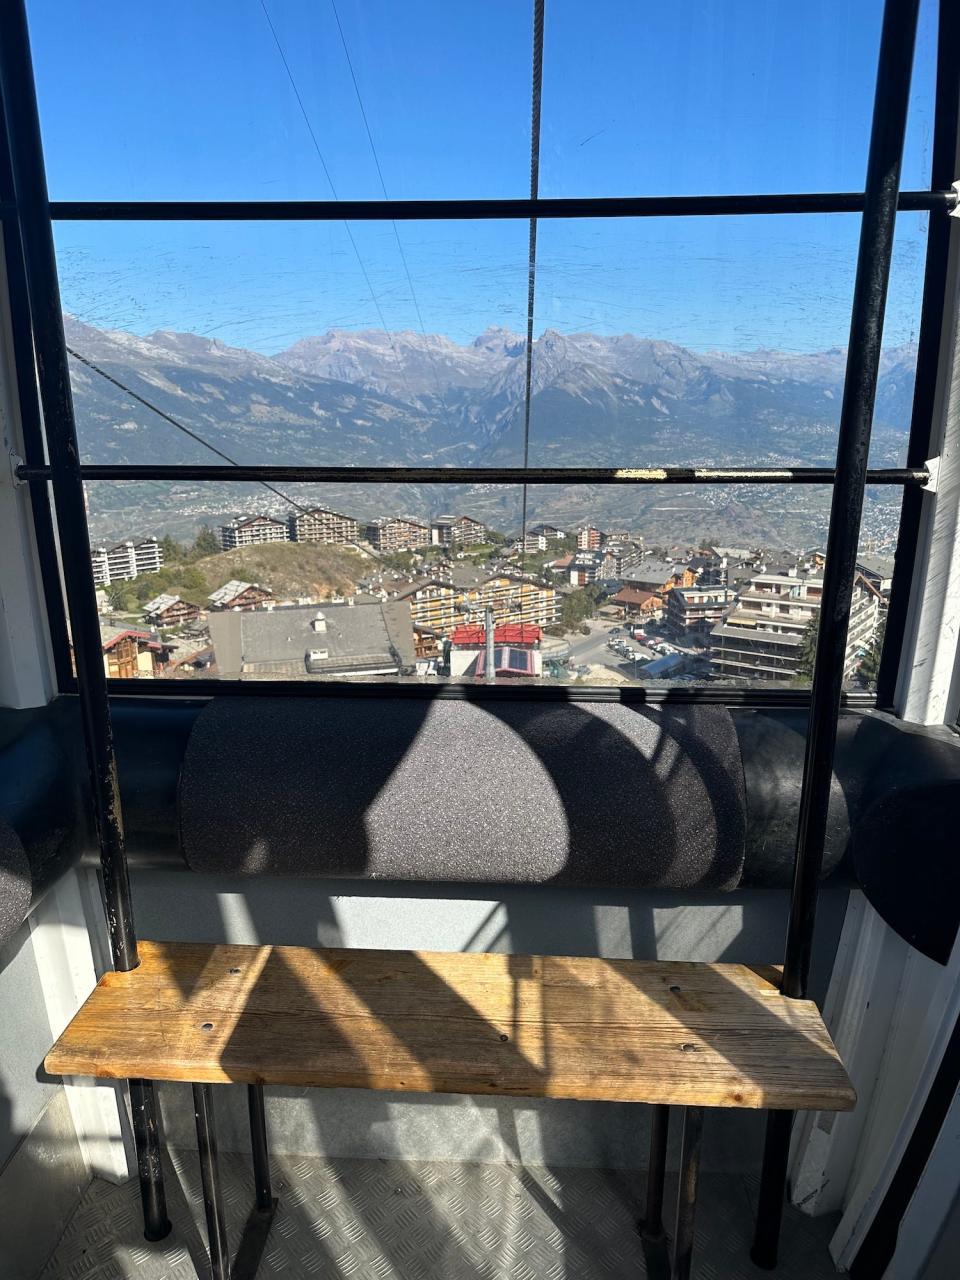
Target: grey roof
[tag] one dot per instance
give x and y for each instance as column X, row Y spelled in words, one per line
column 160, row 602
column 228, row 591
column 880, row 566
column 275, row 642
column 650, row 571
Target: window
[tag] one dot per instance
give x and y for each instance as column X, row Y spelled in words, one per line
column 401, row 330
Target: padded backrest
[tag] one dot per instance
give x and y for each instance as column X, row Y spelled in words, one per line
column 439, row 789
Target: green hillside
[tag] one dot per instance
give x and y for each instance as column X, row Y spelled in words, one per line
column 287, row 568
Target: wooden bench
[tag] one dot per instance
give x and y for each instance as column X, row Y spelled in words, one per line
column 670, row 1034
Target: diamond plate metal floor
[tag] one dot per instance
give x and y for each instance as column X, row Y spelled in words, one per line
column 393, row 1220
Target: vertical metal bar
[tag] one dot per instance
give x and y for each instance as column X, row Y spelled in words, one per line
column 773, row 1181
column 924, row 442
column 258, row 1143
column 53, row 377
column 690, row 1143
column 210, row 1178
column 652, row 1225
column 143, row 1105
column 25, row 151
column 856, row 416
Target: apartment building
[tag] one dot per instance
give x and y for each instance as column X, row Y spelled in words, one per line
column 516, row 599
column 696, row 608
column 585, row 567
column 589, row 539
column 435, row 605
column 125, row 561
column 441, row 606
column 761, row 638
column 396, row 533
column 457, row 531
column 251, row 530
column 322, row 525
column 618, row 559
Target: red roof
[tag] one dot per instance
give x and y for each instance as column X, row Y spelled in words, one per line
column 514, row 633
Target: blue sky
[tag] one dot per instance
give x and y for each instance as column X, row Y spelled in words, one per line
column 186, row 100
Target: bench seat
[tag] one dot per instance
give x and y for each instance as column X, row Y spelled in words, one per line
column 685, row 1034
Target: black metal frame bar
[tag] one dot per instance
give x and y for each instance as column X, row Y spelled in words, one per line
column 651, row 1225
column 146, row 1130
column 472, row 210
column 691, row 1141
column 254, row 1239
column 42, row 296
column 477, row 475
column 923, row 442
column 856, row 418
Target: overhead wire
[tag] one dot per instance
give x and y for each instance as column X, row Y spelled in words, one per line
column 536, row 98
column 187, row 431
column 396, row 231
column 333, row 189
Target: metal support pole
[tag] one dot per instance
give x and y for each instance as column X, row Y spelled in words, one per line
column 210, row 1177
column 690, row 1144
column 53, row 379
column 856, row 416
column 258, row 1143
column 490, row 666
column 773, row 1181
column 651, row 1226
column 143, row 1105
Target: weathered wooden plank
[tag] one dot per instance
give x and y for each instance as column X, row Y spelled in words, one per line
column 524, row 1026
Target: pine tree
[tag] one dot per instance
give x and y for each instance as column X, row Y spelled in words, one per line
column 206, row 543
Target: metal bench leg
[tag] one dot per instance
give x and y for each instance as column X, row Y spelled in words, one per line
column 773, row 1189
column 258, row 1142
column 146, row 1137
column 687, row 1194
column 257, row 1228
column 651, row 1225
column 210, row 1177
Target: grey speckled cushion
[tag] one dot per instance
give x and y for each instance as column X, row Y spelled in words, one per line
column 501, row 792
column 15, row 883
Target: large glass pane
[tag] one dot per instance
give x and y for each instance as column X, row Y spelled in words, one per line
column 222, row 100
column 712, row 340
column 720, row 97
column 657, row 341
column 296, row 343
column 658, row 586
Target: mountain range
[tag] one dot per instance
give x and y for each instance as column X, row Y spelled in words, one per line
column 347, row 397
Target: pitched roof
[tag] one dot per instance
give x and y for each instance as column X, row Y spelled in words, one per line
column 160, row 602
column 633, row 595
column 230, row 590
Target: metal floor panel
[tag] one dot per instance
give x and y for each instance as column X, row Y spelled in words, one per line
column 403, row 1220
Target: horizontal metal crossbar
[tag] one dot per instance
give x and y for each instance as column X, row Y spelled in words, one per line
column 447, row 210
column 484, row 475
